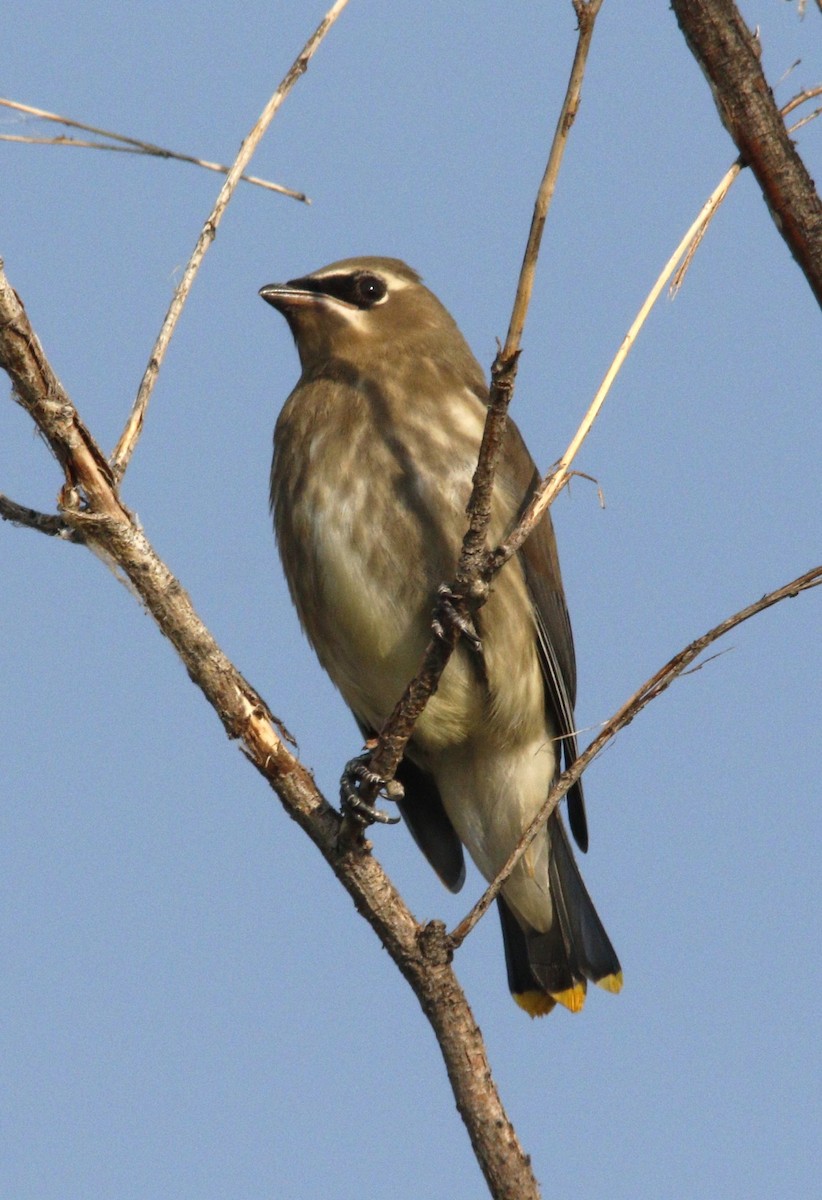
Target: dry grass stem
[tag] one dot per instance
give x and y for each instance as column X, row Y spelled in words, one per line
column 717, row 196
column 556, row 480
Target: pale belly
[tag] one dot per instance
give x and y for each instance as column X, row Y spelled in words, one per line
column 490, row 752
column 377, row 625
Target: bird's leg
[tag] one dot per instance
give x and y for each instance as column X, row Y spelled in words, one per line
column 451, row 610
column 358, row 775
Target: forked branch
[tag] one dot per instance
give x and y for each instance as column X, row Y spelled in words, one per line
column 106, row 139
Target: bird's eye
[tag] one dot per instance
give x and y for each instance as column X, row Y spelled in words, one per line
column 369, row 289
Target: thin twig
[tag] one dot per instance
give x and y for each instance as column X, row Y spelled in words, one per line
column 652, row 688
column 504, row 368
column 805, row 120
column 586, row 15
column 154, row 152
column 30, row 518
column 45, row 115
column 134, row 145
column 719, row 193
column 128, row 441
column 470, row 588
column 800, row 98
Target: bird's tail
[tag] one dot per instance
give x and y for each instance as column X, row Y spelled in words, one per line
column 554, row 967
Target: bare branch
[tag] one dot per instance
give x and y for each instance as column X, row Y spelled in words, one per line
column 472, row 581
column 800, row 98
column 653, row 687
column 93, row 509
column 556, row 480
column 587, row 13
column 129, row 145
column 37, row 389
column 128, row 440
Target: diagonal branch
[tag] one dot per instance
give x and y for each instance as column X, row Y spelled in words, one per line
column 470, row 585
column 93, row 509
column 553, row 483
column 731, row 174
column 129, row 438
column 653, row 687
column 37, row 389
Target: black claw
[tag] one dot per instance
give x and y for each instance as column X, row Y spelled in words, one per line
column 356, row 774
column 448, row 605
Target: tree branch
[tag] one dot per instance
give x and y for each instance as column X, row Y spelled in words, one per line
column 477, row 567
column 728, row 54
column 557, row 478
column 92, row 508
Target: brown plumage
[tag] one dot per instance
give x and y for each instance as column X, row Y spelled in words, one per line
column 374, row 453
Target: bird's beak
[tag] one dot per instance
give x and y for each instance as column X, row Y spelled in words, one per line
column 288, row 295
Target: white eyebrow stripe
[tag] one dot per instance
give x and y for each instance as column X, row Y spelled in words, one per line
column 395, row 282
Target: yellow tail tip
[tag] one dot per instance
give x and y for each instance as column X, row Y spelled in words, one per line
column 539, row 1004
column 611, row 983
column 572, row 998
column 536, row 1004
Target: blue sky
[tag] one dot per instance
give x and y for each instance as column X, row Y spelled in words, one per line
column 191, row 1006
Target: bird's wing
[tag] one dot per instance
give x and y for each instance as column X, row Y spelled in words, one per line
column 540, row 562
column 423, row 812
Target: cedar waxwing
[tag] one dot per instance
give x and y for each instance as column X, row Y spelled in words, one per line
column 374, row 453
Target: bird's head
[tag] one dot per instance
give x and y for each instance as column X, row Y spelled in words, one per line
column 366, row 311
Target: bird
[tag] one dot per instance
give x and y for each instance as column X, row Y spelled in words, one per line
column 374, row 453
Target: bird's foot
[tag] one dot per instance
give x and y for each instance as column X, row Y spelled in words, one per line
column 451, row 611
column 357, row 775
